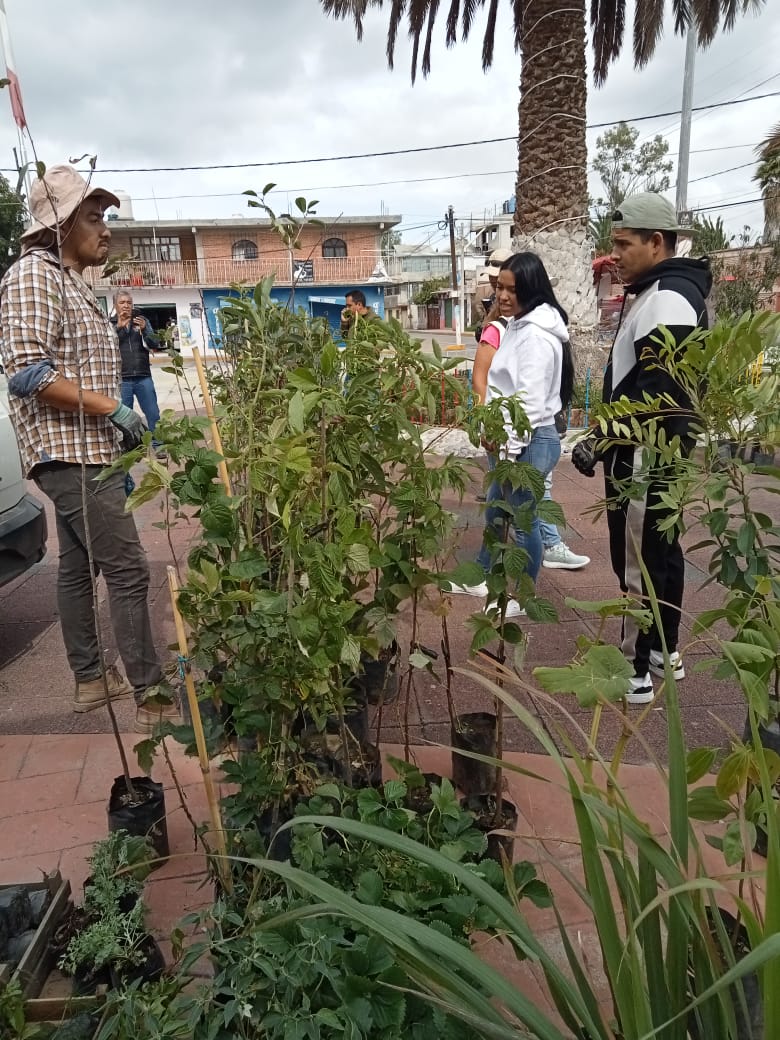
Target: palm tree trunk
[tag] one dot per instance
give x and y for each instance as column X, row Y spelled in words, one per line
column 551, row 214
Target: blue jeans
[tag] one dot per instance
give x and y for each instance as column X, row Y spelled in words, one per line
column 142, row 389
column 542, row 453
column 551, row 536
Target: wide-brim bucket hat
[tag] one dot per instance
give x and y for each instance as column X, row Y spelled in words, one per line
column 57, row 195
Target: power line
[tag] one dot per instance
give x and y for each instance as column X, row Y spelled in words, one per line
column 404, row 151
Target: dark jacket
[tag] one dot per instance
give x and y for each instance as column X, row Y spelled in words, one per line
column 671, row 294
column 134, row 348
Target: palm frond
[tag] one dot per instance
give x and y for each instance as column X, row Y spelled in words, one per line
column 432, row 12
column 608, row 21
column 396, row 14
column 469, row 10
column 354, row 9
column 769, row 149
column 518, row 12
column 453, row 17
column 489, row 39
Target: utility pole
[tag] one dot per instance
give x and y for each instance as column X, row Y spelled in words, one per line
column 683, row 154
column 450, row 222
column 462, row 278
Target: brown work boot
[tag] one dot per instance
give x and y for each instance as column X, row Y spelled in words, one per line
column 92, row 694
column 154, row 710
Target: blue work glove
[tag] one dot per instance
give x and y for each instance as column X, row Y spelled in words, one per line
column 130, row 425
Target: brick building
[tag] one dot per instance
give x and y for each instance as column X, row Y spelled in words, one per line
column 180, row 270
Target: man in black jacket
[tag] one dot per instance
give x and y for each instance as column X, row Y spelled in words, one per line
column 660, row 290
column 136, row 340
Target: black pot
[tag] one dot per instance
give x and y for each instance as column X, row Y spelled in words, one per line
column 146, row 818
column 86, row 980
column 379, row 679
column 763, row 458
column 355, row 721
column 753, row 1028
column 768, row 734
column 149, row 970
column 484, row 808
column 419, row 798
column 278, row 846
column 474, row 732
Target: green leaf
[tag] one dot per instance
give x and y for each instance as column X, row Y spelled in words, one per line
column 295, row 412
column 145, row 751
column 603, row 674
column 394, row 790
column 358, row 558
column 370, row 888
column 417, row 659
column 704, row 804
column 733, row 773
column 699, row 762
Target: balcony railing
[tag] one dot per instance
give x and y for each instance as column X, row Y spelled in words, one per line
column 220, row 273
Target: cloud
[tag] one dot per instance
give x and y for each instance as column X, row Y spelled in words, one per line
column 195, row 82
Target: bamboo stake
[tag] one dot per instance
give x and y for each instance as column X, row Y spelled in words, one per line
column 216, row 439
column 200, row 740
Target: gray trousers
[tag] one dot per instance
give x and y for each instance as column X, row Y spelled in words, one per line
column 117, row 555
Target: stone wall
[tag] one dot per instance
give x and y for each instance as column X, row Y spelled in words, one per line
column 567, row 254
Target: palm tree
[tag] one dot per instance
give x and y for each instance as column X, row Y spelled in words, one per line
column 768, row 176
column 551, row 212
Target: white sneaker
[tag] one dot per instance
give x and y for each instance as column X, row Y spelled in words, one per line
column 470, row 590
column 513, row 608
column 560, row 557
column 640, row 690
column 657, row 664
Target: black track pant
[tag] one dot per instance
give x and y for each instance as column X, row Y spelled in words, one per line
column 633, row 532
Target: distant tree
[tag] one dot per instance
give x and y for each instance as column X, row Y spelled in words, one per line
column 390, row 239
column 768, row 176
column 600, row 227
column 745, row 282
column 11, row 224
column 625, row 168
column 709, row 236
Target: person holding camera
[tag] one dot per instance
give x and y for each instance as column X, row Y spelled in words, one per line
column 666, row 292
column 136, row 341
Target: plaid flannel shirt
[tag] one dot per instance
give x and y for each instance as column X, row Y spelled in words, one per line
column 40, row 323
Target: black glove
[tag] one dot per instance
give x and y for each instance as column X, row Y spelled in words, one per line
column 585, row 456
column 130, row 425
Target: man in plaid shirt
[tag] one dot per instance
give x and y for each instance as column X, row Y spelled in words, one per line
column 61, row 356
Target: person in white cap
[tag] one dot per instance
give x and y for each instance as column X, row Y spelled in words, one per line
column 663, row 291
column 493, row 266
column 61, row 355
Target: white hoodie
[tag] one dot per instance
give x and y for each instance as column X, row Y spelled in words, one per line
column 528, row 365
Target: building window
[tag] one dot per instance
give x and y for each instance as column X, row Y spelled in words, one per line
column 244, row 249
column 334, row 247
column 163, row 247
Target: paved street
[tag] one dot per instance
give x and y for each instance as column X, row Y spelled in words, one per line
column 36, row 685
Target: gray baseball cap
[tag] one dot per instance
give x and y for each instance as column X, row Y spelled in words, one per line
column 646, row 212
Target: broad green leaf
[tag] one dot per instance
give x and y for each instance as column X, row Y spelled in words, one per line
column 705, row 804
column 733, row 773
column 699, row 762
column 603, row 674
column 295, row 412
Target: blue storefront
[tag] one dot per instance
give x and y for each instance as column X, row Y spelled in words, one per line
column 320, row 301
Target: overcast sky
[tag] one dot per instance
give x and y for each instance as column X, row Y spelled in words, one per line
column 187, row 82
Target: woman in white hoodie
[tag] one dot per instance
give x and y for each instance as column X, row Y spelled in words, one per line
column 534, row 362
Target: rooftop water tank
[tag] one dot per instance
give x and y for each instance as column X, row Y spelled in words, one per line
column 125, row 211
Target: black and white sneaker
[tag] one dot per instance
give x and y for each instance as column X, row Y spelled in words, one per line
column 640, row 690
column 657, row 664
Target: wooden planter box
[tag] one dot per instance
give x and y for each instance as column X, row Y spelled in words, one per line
column 55, row 1010
column 37, row 962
